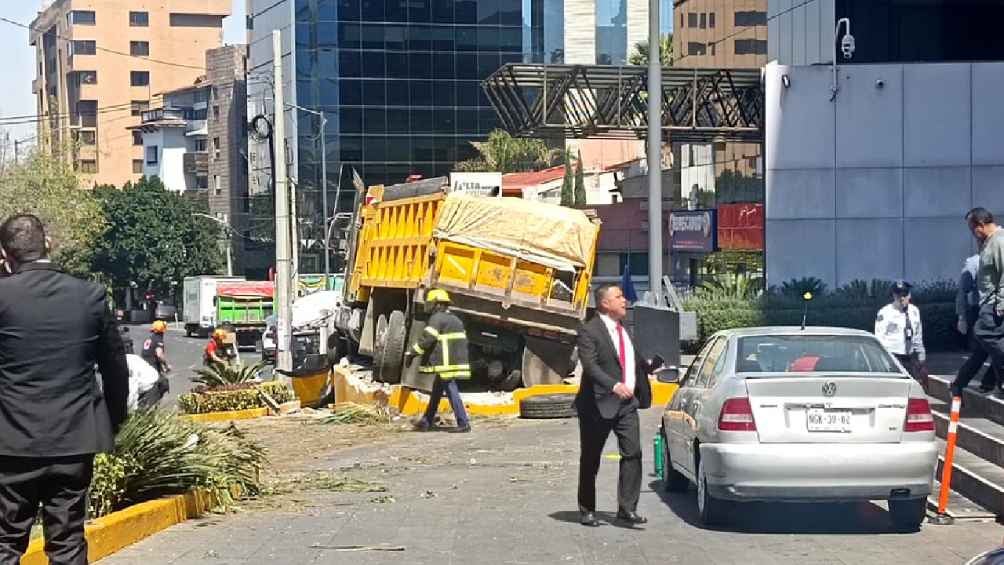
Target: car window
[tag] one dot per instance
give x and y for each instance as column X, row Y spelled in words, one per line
column 813, row 353
column 715, row 355
column 695, row 367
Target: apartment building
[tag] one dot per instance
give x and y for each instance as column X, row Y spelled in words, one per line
column 99, row 65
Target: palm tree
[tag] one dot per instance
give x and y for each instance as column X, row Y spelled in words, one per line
column 507, row 154
column 641, row 50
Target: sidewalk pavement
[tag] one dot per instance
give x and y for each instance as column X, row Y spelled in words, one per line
column 505, row 494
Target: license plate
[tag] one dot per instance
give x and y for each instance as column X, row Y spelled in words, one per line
column 822, row 420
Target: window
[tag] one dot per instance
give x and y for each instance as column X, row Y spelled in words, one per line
column 139, row 78
column 200, row 146
column 711, row 47
column 704, row 21
column 711, row 364
column 746, row 19
column 682, row 25
column 88, row 166
column 751, row 47
column 216, row 147
column 137, row 137
column 216, row 112
column 197, row 20
column 87, row 113
column 139, row 19
column 85, row 47
column 217, row 185
column 140, row 106
column 811, row 353
column 86, row 137
column 139, row 48
column 137, row 166
column 694, row 48
column 83, row 18
column 695, row 367
column 152, row 154
column 87, row 77
column 692, row 19
column 639, row 263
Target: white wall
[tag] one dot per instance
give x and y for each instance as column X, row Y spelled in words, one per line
column 799, row 32
column 876, row 183
column 171, row 147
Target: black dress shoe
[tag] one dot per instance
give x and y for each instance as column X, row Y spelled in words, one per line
column 588, row 519
column 460, row 429
column 631, row 518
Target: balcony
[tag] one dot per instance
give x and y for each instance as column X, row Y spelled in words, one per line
column 196, row 163
column 163, row 114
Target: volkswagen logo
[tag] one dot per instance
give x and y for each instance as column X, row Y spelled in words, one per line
column 829, row 388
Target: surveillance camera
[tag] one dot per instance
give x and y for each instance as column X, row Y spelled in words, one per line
column 847, row 46
column 880, row 83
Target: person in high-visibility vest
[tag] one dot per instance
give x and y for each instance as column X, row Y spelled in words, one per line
column 443, row 350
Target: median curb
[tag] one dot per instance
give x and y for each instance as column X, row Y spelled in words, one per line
column 110, row 533
column 210, row 417
column 411, row 403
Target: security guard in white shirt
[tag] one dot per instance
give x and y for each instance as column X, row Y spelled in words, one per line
column 899, row 329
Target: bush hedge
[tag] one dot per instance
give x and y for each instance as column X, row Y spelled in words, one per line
column 852, row 306
column 243, row 396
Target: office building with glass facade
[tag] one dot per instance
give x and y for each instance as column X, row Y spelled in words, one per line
column 399, row 80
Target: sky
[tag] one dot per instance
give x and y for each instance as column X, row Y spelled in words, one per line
column 16, row 98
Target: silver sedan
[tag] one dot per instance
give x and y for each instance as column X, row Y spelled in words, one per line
column 799, row 415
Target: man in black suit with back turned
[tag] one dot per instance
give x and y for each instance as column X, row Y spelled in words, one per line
column 54, row 415
column 614, row 387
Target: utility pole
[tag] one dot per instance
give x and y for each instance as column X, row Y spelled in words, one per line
column 230, row 245
column 654, row 155
column 283, row 296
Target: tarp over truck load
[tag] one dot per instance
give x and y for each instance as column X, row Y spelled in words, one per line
column 242, row 289
column 555, row 236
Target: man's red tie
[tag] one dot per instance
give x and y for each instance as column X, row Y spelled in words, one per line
column 622, row 352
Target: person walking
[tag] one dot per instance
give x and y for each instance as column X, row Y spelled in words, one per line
column 967, row 309
column 55, row 414
column 899, row 328
column 443, row 350
column 614, row 387
column 989, row 327
column 154, row 351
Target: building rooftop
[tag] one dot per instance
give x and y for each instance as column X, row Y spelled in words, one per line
column 514, row 183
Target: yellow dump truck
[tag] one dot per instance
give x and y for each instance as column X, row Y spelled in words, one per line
column 518, row 273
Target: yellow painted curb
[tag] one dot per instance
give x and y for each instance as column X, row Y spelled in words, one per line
column 209, row 417
column 409, row 404
column 110, row 533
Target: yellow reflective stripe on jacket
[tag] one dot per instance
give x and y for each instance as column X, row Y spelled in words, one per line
column 418, row 349
column 432, row 331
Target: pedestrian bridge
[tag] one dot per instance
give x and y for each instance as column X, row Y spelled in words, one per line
column 600, row 101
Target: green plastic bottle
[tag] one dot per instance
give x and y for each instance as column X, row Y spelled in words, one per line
column 657, row 454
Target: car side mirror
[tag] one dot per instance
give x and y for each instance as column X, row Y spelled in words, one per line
column 669, row 375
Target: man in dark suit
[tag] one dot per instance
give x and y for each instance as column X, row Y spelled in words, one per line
column 614, row 386
column 54, row 415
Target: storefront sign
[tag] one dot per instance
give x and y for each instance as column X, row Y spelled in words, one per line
column 477, row 184
column 693, row 230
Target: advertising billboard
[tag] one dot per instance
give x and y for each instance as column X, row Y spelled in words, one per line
column 693, row 230
column 477, row 184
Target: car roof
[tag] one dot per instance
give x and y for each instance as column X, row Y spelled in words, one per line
column 793, row 330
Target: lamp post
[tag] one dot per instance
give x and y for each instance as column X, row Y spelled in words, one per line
column 229, row 233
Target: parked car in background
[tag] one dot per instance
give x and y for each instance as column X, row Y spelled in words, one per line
column 166, row 312
column 799, row 415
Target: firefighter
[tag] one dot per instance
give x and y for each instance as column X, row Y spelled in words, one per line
column 217, row 350
column 443, row 350
column 899, row 329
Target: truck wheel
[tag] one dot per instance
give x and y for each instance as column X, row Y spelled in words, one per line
column 545, row 362
column 547, row 406
column 512, row 381
column 391, row 345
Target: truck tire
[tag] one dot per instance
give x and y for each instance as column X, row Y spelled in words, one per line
column 547, row 406
column 512, row 381
column 391, row 347
column 545, row 362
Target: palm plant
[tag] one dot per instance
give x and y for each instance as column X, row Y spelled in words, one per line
column 740, row 287
column 221, row 374
column 507, row 154
column 641, row 52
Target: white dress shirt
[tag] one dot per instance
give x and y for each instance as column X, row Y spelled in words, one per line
column 891, row 330
column 629, row 376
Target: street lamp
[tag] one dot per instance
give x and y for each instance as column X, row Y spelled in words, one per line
column 324, row 185
column 229, row 232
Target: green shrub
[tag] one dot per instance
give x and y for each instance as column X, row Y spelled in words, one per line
column 156, row 454
column 202, row 401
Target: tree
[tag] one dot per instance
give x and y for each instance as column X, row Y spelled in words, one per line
column 49, row 188
column 154, row 238
column 640, row 54
column 567, row 192
column 506, row 154
column 580, row 183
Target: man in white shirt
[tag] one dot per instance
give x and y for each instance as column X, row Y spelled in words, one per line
column 898, row 327
column 614, row 387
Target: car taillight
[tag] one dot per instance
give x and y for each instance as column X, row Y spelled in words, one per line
column 736, row 416
column 918, row 416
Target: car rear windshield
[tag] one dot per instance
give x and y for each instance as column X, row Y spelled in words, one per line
column 813, row 354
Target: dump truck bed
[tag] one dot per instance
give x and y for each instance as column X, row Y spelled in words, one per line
column 507, row 260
